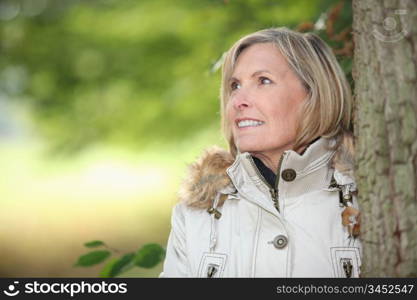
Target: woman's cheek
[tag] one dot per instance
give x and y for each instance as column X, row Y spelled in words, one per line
column 229, row 115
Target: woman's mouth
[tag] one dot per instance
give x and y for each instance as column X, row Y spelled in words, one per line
column 249, row 123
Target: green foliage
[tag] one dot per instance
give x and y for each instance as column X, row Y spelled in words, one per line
column 148, row 256
column 116, row 266
column 92, row 258
column 106, row 272
column 93, row 244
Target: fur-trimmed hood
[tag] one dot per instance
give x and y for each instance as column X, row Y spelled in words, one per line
column 207, row 175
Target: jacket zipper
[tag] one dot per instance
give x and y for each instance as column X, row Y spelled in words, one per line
column 272, row 190
column 276, row 198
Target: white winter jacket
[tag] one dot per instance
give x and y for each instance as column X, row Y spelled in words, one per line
column 230, row 223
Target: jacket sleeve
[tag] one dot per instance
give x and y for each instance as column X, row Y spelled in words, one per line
column 176, row 263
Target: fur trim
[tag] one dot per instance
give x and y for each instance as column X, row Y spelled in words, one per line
column 208, row 174
column 205, row 178
column 343, row 160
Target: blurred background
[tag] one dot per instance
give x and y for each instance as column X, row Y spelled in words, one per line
column 103, row 103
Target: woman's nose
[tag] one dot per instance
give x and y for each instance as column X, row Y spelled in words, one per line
column 241, row 100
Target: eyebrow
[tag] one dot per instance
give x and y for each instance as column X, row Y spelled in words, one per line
column 253, row 75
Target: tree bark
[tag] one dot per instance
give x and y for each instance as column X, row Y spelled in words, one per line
column 384, row 72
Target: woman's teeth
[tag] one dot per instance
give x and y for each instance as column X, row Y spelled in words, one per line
column 249, row 123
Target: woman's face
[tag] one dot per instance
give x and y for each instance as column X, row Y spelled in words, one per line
column 264, row 102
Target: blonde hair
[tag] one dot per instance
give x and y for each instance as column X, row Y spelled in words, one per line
column 327, row 111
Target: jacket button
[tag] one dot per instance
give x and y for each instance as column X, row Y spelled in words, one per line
column 288, row 174
column 280, row 241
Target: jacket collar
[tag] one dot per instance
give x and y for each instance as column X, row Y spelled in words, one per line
column 312, row 170
column 217, row 171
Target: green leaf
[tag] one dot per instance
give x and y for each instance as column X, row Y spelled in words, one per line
column 149, row 256
column 119, row 266
column 92, row 258
column 93, row 244
column 105, row 272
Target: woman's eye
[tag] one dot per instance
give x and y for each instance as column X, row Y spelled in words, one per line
column 265, row 80
column 234, row 86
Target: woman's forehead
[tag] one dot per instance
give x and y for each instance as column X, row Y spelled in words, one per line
column 260, row 57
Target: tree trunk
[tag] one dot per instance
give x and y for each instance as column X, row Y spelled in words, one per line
column 384, row 71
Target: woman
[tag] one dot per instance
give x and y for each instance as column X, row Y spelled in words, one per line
column 281, row 201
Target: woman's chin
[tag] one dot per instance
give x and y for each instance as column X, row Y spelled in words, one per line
column 249, row 148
